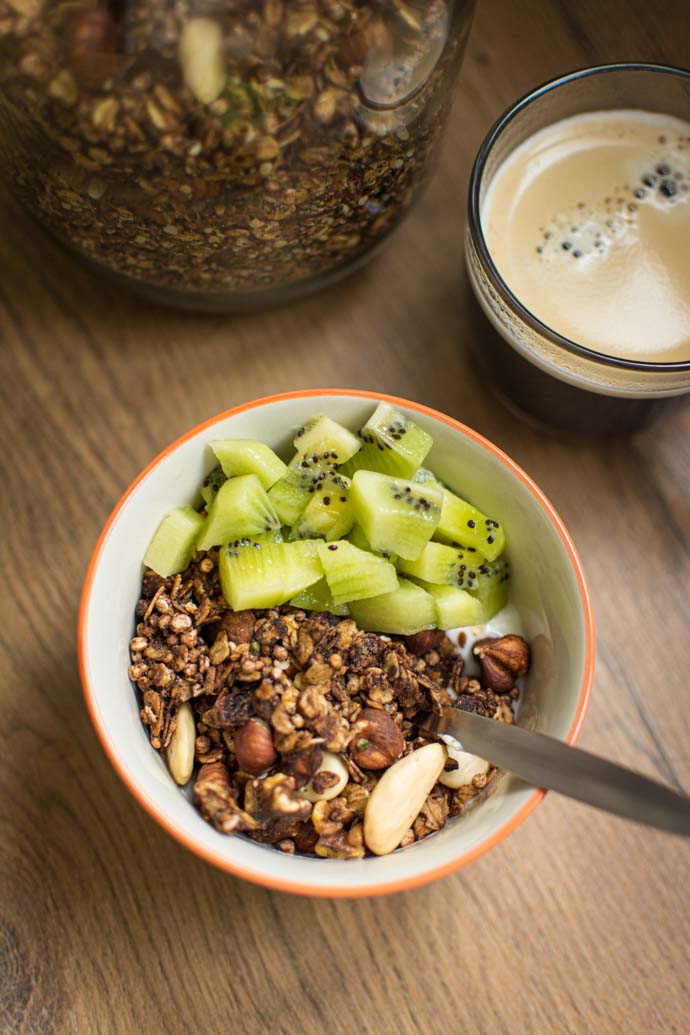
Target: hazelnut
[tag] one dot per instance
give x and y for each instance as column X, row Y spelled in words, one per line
column 377, row 742
column 254, row 747
column 239, row 626
column 371, row 40
column 502, row 660
column 422, row 642
column 93, row 39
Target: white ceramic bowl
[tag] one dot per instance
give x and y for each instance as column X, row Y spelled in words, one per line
column 548, row 588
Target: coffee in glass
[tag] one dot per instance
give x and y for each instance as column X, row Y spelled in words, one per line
column 578, row 248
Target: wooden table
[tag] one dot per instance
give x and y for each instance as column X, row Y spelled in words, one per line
column 579, row 922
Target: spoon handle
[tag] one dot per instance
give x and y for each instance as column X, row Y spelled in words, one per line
column 552, row 764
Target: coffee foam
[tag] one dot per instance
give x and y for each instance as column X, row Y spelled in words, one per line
column 588, row 222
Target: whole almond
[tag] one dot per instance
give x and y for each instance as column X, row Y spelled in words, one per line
column 180, row 751
column 397, row 798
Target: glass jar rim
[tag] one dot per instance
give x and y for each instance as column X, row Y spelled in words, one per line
column 477, row 233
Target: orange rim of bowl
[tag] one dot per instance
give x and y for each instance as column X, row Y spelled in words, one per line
column 298, row 887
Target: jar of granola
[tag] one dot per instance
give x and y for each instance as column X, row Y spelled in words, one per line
column 224, row 154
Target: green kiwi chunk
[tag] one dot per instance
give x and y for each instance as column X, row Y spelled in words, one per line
column 291, row 493
column 322, row 445
column 406, row 610
column 353, row 574
column 266, row 537
column 461, row 524
column 328, row 514
column 288, row 499
column 426, row 477
column 267, row 574
column 247, row 456
column 211, row 484
column 240, row 509
column 391, row 443
column 455, row 607
column 396, row 516
column 357, row 537
column 493, row 583
column 174, row 541
column 447, row 565
column 323, row 438
column 318, row 597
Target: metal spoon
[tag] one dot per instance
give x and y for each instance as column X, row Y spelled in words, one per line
column 550, row 763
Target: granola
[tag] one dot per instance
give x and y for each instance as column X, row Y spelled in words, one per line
column 276, row 693
column 210, row 152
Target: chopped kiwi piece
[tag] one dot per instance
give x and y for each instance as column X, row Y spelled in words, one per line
column 444, row 564
column 455, row 606
column 267, row 574
column 322, row 445
column 291, row 493
column 357, row 537
column 463, row 525
column 406, row 610
column 319, row 598
column 247, row 456
column 493, row 582
column 353, row 574
column 241, row 508
column 288, row 500
column 328, row 514
column 174, row 541
column 396, row 516
column 391, row 443
column 265, row 537
column 324, row 438
column 305, row 476
column 423, row 476
column 210, row 486
column 307, row 469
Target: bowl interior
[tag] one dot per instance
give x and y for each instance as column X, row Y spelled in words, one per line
column 546, row 589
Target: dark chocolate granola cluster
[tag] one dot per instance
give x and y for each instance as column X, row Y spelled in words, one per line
column 275, row 692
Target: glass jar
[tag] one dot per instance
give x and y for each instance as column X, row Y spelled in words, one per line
column 224, row 154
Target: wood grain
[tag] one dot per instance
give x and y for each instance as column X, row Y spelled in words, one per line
column 579, row 922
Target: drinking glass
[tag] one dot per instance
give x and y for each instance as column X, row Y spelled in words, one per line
column 555, row 382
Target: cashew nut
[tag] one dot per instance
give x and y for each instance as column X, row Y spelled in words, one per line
column 469, row 766
column 201, row 58
column 330, row 764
